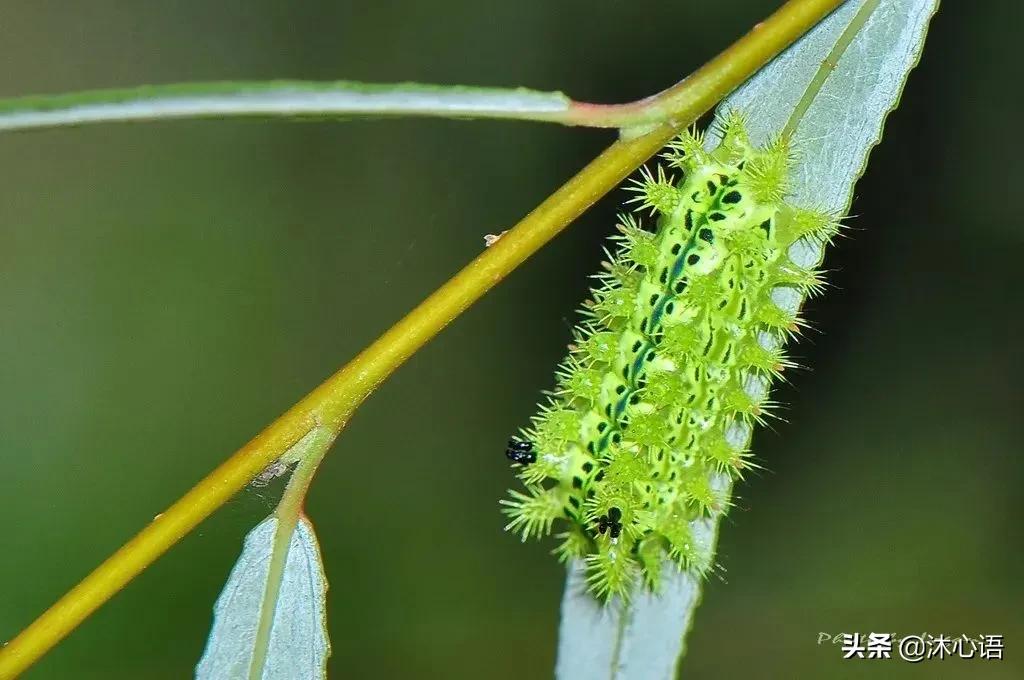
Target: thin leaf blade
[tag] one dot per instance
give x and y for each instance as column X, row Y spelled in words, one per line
column 290, row 98
column 644, row 639
column 298, row 646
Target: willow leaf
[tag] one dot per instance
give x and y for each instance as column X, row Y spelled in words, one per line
column 832, row 90
column 298, row 646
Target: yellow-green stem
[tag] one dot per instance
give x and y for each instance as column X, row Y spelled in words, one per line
column 333, row 402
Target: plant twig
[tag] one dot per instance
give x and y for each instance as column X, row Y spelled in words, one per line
column 332, row 403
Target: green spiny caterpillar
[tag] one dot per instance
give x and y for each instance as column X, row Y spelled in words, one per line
column 671, row 367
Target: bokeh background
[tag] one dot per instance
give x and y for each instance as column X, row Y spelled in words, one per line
column 167, row 289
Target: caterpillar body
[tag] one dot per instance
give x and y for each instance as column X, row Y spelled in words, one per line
column 671, row 365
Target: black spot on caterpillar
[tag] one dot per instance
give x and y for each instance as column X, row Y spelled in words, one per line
column 520, row 452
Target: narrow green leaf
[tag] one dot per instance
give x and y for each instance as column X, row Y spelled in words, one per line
column 832, row 90
column 287, row 98
column 298, row 646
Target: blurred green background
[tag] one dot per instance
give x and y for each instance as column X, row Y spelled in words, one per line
column 167, row 289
